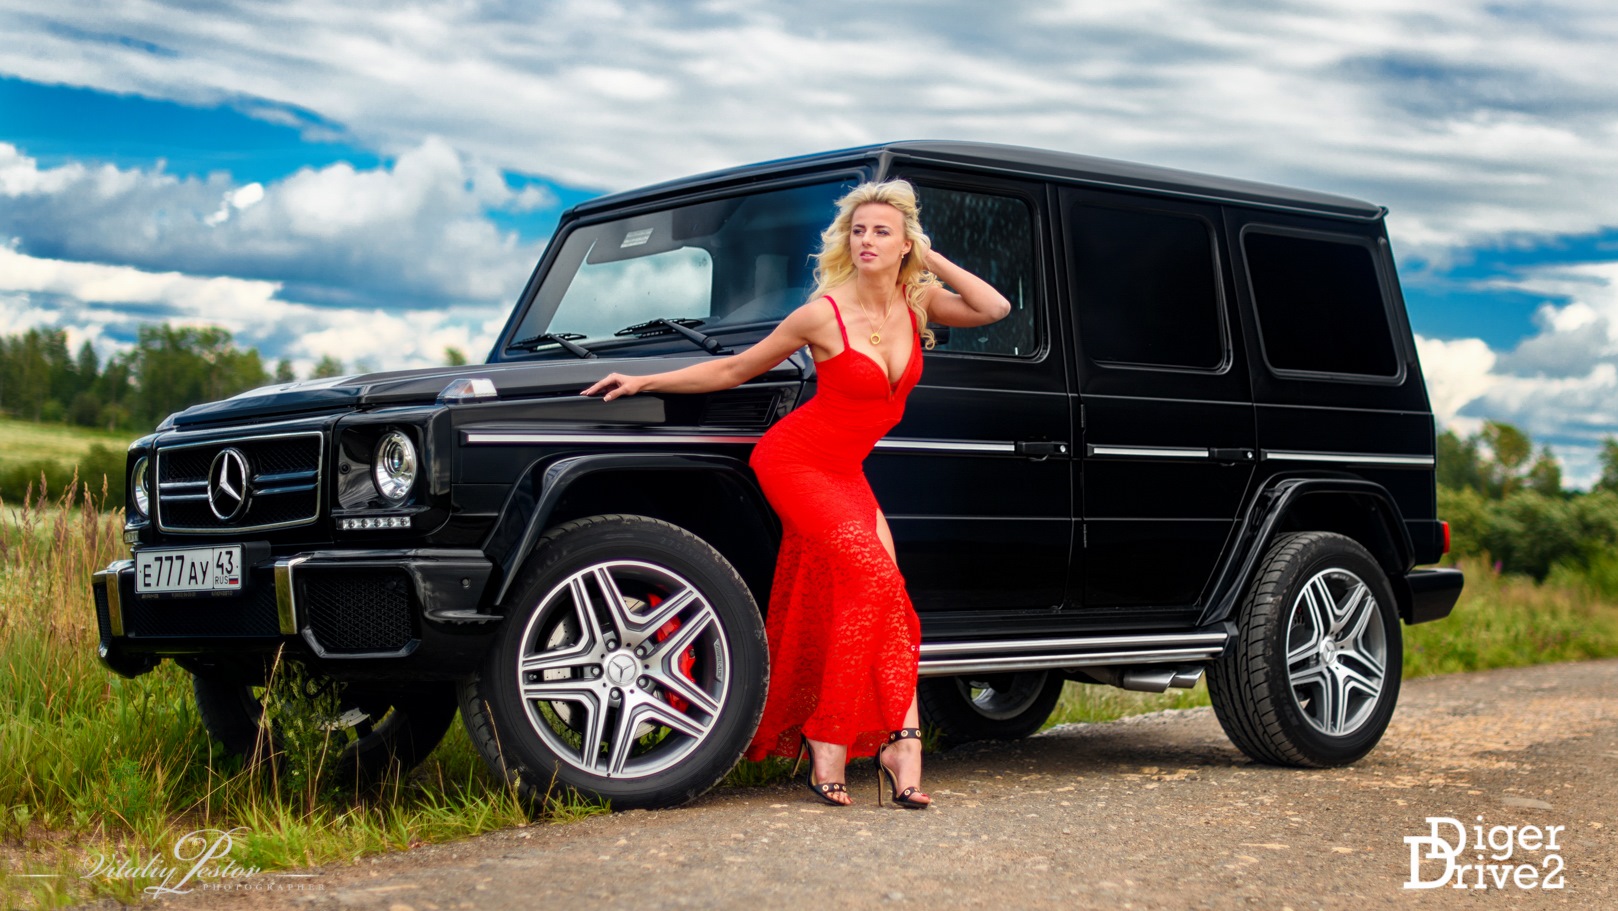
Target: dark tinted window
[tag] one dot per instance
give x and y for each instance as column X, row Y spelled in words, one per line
column 992, row 237
column 1320, row 306
column 1147, row 288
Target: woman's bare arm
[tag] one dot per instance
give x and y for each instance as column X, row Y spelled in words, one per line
column 711, row 376
column 976, row 304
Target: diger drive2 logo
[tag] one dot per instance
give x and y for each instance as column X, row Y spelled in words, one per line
column 1482, row 857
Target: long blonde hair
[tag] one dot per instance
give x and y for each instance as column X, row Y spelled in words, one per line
column 834, row 266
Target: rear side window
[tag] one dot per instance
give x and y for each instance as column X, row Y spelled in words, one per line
column 1320, row 305
column 1147, row 285
column 991, row 236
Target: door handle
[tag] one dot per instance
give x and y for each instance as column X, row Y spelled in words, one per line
column 1040, row 449
column 1238, row 454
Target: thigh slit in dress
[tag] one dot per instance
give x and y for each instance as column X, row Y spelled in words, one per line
column 844, row 639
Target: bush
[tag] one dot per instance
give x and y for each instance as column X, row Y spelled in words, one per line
column 1529, row 532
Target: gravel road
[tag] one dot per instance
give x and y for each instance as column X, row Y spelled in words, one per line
column 1158, row 811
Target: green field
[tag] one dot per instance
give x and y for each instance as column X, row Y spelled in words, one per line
column 26, row 441
column 28, row 450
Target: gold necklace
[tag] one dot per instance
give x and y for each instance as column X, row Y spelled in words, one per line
column 876, row 331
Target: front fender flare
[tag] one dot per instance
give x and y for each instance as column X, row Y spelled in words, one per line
column 528, row 508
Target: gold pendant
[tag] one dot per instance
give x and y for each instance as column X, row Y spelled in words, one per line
column 876, row 338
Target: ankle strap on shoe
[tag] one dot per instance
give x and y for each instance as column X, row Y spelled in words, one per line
column 904, row 734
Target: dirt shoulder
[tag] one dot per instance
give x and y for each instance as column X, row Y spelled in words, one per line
column 1158, row 811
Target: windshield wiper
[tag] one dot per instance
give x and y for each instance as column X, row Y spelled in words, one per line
column 683, row 326
column 565, row 339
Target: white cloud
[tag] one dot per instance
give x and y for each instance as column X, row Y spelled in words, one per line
column 93, row 301
column 1560, row 385
column 413, row 235
column 1471, row 119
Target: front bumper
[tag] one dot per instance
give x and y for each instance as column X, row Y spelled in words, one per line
column 407, row 614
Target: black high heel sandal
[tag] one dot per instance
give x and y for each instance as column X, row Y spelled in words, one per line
column 905, row 798
column 823, row 790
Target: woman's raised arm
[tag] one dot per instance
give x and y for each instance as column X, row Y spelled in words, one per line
column 976, row 304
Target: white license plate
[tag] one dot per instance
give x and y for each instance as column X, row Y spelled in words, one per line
column 191, row 569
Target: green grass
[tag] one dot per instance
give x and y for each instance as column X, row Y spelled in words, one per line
column 96, row 764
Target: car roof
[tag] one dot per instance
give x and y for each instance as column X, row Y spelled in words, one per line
column 1010, row 160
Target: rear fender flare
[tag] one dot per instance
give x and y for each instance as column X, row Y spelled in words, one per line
column 1267, row 516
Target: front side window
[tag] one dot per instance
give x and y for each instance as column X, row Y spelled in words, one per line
column 1147, row 288
column 717, row 265
column 992, row 237
column 1320, row 305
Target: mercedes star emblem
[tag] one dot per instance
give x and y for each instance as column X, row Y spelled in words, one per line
column 228, row 486
column 620, row 670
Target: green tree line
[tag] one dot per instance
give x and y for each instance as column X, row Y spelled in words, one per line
column 1504, row 501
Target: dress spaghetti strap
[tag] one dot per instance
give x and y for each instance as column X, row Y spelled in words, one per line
column 839, row 314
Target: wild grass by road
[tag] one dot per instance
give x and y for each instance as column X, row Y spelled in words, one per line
column 100, row 765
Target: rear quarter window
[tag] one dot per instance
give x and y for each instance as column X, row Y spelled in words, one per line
column 1320, row 304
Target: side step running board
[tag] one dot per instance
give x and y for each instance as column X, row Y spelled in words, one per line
column 948, row 659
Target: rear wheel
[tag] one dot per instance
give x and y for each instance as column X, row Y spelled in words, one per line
column 990, row 706
column 631, row 667
column 1312, row 677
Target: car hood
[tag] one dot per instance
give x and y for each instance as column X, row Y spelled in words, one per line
column 522, row 380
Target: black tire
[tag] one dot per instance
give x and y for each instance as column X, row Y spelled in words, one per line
column 1331, row 703
column 381, row 733
column 989, row 707
column 631, row 609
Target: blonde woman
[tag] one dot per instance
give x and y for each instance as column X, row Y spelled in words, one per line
column 843, row 637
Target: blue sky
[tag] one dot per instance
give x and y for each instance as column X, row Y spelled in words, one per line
column 374, row 181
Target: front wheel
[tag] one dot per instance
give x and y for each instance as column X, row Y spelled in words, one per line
column 990, row 706
column 1312, row 677
column 631, row 667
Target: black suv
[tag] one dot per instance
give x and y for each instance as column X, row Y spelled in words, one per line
column 1200, row 442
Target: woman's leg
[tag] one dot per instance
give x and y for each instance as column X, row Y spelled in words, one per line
column 826, row 764
column 903, row 757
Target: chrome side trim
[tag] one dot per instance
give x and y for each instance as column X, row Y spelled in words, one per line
column 946, row 446
column 1003, row 664
column 286, row 608
column 1166, row 640
column 1348, row 458
column 1150, row 452
column 504, row 438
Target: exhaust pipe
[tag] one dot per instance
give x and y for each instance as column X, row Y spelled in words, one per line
column 1147, row 679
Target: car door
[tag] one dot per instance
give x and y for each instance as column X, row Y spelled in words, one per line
column 1166, row 412
column 975, row 479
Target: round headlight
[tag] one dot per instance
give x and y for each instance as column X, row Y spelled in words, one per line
column 394, row 466
column 138, row 493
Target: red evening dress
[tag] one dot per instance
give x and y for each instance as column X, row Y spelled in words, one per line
column 843, row 637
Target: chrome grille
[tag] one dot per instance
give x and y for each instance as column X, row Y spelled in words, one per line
column 284, row 470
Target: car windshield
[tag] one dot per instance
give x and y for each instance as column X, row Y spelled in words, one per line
column 727, row 263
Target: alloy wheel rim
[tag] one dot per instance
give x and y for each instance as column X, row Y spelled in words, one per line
column 624, row 669
column 1003, row 699
column 1337, row 652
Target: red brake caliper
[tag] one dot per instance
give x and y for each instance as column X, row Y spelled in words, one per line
column 688, row 658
